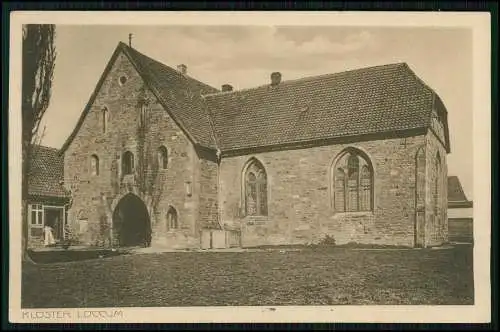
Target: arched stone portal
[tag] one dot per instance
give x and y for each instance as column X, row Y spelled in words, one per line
column 131, row 222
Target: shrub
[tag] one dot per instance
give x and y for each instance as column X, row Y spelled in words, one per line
column 326, row 241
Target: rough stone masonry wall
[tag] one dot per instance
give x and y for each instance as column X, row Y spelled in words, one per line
column 299, row 196
column 436, row 233
column 89, row 204
column 208, row 191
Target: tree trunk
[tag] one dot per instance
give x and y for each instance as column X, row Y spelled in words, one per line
column 24, row 213
column 25, row 229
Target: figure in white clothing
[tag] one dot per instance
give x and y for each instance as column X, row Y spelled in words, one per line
column 49, row 237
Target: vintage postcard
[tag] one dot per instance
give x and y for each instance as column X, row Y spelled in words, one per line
column 249, row 167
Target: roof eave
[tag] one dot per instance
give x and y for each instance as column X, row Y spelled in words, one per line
column 45, row 197
column 460, row 204
column 325, row 141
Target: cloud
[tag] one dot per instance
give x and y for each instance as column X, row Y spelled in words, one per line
column 322, row 45
column 264, row 47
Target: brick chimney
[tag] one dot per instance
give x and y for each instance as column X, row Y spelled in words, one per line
column 182, row 68
column 227, row 87
column 275, row 78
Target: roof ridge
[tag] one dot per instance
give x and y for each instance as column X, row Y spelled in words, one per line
column 156, row 71
column 38, row 146
column 186, row 76
column 309, row 78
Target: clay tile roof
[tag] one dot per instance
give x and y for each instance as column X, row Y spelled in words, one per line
column 179, row 93
column 46, row 173
column 456, row 194
column 386, row 98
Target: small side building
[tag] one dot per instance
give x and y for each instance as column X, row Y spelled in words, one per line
column 460, row 213
column 47, row 198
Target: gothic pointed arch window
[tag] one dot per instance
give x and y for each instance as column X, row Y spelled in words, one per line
column 352, row 185
column 162, row 157
column 127, row 163
column 255, row 189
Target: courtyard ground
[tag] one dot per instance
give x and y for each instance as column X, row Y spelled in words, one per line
column 324, row 276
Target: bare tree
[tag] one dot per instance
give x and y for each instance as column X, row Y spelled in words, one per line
column 38, row 61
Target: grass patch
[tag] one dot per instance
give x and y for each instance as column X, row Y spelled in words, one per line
column 271, row 278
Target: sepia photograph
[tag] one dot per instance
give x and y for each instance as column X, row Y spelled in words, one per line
column 221, row 164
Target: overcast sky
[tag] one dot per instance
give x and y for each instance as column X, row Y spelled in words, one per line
column 244, row 56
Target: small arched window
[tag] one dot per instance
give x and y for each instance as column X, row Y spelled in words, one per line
column 255, row 189
column 172, row 221
column 143, row 116
column 94, row 165
column 105, row 117
column 162, row 157
column 352, row 185
column 127, row 163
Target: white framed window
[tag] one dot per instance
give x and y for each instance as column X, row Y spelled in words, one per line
column 36, row 215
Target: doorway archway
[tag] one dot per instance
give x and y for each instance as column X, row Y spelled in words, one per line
column 131, row 222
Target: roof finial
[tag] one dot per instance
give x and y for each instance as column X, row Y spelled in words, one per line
column 130, row 40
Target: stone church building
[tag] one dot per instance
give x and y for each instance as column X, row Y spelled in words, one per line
column 160, row 159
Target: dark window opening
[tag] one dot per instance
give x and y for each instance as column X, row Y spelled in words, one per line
column 162, row 157
column 127, row 163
